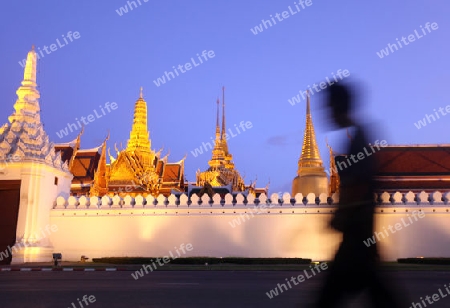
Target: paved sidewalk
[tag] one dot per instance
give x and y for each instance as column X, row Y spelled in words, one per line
column 91, row 267
column 67, row 267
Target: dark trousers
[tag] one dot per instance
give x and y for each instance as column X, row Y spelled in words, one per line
column 355, row 269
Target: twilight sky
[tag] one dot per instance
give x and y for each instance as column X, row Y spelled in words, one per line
column 115, row 54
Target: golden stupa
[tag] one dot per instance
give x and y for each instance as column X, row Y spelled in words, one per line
column 311, row 176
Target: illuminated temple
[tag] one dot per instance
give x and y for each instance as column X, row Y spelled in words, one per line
column 43, row 184
column 222, row 176
column 137, row 169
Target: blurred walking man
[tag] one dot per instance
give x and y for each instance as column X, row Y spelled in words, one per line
column 356, row 267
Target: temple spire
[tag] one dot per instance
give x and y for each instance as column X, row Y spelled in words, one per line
column 100, row 186
column 310, row 156
column 218, row 154
column 29, row 75
column 223, row 136
column 27, row 107
column 223, row 111
column 217, row 120
column 308, row 105
column 139, row 135
column 334, row 177
column 221, row 171
column 311, row 176
column 24, row 135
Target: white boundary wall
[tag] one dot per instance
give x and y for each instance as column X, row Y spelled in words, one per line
column 120, row 227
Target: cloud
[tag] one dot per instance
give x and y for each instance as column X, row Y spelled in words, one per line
column 279, row 140
column 291, row 138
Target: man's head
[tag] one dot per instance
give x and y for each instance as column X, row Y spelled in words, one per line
column 340, row 102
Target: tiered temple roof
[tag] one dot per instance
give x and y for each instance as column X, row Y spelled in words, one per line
column 140, row 168
column 137, row 169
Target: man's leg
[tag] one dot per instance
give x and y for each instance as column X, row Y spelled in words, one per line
column 382, row 293
column 334, row 289
column 332, row 292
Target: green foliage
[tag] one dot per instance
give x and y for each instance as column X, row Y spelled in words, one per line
column 442, row 261
column 204, row 260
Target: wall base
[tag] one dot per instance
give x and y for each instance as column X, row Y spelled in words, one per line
column 31, row 254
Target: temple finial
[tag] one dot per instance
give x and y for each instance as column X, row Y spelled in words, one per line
column 140, row 94
column 217, row 118
column 223, row 112
column 308, row 107
column 29, row 76
column 107, row 137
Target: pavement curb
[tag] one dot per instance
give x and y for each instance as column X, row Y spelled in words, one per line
column 60, row 269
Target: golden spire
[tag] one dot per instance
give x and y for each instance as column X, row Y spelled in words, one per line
column 139, row 135
column 334, row 177
column 100, row 186
column 218, row 154
column 221, row 171
column 310, row 156
column 223, row 137
column 228, row 157
column 217, row 121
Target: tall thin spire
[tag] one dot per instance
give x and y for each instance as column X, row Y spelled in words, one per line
column 310, row 156
column 218, row 154
column 27, row 105
column 221, row 171
column 139, row 135
column 223, row 137
column 217, row 120
column 223, row 112
column 308, row 105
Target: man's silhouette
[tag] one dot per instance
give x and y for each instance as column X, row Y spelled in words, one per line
column 356, row 267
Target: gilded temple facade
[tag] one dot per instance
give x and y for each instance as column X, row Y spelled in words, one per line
column 137, row 169
column 140, row 169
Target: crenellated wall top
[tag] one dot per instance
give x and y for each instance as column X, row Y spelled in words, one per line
column 385, row 199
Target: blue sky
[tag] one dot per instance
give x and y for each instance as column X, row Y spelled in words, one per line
column 116, row 55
